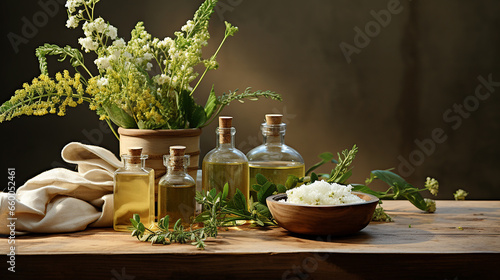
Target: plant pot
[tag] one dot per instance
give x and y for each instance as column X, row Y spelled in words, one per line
column 156, row 143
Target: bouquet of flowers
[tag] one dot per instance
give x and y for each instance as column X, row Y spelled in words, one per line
column 144, row 83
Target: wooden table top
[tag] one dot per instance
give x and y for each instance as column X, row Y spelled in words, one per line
column 461, row 240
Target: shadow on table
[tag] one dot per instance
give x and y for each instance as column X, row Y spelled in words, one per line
column 373, row 236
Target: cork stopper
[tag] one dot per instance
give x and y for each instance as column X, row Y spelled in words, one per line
column 176, row 158
column 274, row 125
column 177, row 151
column 273, row 119
column 135, row 155
column 225, row 124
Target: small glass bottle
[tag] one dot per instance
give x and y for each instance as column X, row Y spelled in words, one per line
column 274, row 159
column 225, row 163
column 133, row 191
column 176, row 189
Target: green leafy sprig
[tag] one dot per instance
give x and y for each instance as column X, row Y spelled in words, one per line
column 220, row 211
column 166, row 236
column 398, row 188
column 76, row 57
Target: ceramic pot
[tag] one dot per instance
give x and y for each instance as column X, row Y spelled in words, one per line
column 156, row 143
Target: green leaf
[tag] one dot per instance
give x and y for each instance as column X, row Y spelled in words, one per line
column 263, row 210
column 225, row 191
column 197, row 117
column 416, row 199
column 344, row 177
column 261, row 179
column 137, row 218
column 291, row 182
column 365, row 189
column 259, row 222
column 239, row 201
column 391, row 178
column 211, row 104
column 280, row 188
column 212, row 193
column 118, row 116
column 141, row 227
column 314, row 177
column 266, row 190
column 256, row 187
column 177, row 224
column 165, row 221
column 194, row 113
column 134, row 223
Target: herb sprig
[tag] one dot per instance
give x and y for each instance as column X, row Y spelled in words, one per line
column 166, row 236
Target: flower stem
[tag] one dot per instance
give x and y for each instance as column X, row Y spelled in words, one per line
column 112, row 129
column 207, row 68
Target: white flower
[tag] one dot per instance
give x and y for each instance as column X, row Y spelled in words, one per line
column 148, row 56
column 149, row 66
column 99, row 25
column 120, row 43
column 73, row 4
column 88, row 44
column 432, row 185
column 103, row 63
column 87, row 28
column 127, row 55
column 165, row 43
column 102, row 82
column 112, row 32
column 188, row 27
column 114, row 56
column 72, row 22
column 162, row 79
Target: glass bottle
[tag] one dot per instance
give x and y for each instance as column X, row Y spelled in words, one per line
column 133, row 191
column 225, row 163
column 176, row 189
column 273, row 158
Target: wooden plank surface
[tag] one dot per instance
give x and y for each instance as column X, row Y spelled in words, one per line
column 462, row 239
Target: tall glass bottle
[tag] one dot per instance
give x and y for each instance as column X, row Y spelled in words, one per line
column 225, row 163
column 133, row 191
column 273, row 158
column 176, row 189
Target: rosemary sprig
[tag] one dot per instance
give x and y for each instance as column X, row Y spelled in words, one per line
column 342, row 172
column 166, row 236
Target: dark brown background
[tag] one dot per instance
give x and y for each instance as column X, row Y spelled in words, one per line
column 392, row 94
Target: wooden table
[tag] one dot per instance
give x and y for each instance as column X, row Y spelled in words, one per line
column 461, row 240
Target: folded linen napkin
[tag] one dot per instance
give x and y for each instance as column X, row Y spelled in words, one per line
column 61, row 200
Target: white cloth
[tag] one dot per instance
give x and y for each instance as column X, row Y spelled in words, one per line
column 61, row 200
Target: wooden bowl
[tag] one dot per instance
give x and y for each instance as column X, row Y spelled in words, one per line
column 323, row 219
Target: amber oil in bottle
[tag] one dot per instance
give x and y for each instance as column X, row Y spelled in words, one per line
column 176, row 189
column 133, row 191
column 225, row 163
column 273, row 159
